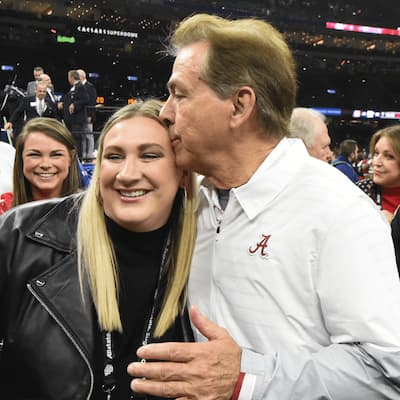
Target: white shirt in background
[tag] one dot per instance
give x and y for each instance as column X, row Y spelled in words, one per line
column 7, row 153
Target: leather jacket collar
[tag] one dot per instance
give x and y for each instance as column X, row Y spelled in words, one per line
column 43, row 230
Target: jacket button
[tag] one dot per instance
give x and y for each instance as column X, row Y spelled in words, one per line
column 40, row 283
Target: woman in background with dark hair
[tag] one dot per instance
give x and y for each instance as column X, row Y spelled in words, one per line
column 45, row 162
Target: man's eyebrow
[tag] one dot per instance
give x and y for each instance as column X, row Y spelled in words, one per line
column 171, row 85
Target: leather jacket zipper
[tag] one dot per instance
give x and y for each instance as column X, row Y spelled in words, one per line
column 37, row 297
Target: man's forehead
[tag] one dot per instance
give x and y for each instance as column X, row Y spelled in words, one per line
column 191, row 55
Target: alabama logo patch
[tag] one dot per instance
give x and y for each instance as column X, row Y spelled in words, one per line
column 260, row 247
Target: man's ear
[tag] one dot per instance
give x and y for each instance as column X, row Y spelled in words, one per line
column 243, row 101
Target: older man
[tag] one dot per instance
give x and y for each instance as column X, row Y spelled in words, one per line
column 88, row 138
column 31, row 86
column 50, row 87
column 39, row 105
column 74, row 106
column 294, row 270
column 310, row 126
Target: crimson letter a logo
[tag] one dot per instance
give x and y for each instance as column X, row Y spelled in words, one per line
column 261, row 246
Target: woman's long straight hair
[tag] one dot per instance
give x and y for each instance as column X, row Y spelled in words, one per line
column 96, row 257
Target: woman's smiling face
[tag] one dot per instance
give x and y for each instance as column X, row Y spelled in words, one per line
column 138, row 176
column 385, row 164
column 46, row 164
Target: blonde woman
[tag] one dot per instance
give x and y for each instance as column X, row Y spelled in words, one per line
column 96, row 275
column 384, row 186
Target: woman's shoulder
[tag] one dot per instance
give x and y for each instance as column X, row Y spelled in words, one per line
column 28, row 214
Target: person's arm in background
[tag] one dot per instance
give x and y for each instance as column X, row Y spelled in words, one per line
column 16, row 114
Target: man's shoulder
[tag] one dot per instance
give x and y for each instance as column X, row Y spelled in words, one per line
column 339, row 162
column 323, row 183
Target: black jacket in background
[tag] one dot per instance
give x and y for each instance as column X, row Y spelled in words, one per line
column 80, row 98
column 396, row 238
column 92, row 93
column 28, row 107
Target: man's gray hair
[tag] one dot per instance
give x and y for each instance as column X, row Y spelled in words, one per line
column 302, row 124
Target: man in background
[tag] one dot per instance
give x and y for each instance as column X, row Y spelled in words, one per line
column 38, row 105
column 50, row 87
column 348, row 152
column 310, row 126
column 88, row 138
column 31, row 87
column 74, row 106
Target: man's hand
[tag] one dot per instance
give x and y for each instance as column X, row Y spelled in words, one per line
column 71, row 108
column 190, row 370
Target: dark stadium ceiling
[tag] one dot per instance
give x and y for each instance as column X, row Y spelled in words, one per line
column 302, row 21
column 358, row 66
column 92, row 9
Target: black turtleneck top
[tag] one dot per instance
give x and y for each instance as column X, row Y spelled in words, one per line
column 138, row 257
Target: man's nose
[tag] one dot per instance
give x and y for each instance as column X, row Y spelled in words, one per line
column 166, row 113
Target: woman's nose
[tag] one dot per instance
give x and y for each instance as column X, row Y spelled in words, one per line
column 129, row 171
column 45, row 163
column 377, row 160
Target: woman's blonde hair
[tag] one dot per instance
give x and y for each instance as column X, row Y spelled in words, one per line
column 54, row 129
column 96, row 258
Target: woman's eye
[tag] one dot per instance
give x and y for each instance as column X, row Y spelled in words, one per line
column 113, row 156
column 151, row 155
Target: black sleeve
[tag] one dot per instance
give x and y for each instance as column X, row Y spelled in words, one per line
column 18, row 112
column 92, row 92
column 81, row 98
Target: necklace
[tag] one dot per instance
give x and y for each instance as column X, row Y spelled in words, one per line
column 109, row 379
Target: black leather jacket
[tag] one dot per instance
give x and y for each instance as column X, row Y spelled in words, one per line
column 45, row 327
